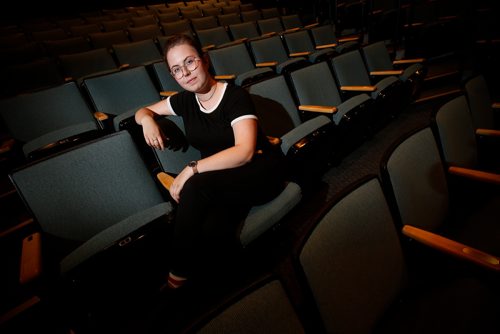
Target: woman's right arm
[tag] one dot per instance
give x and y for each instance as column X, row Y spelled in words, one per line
column 146, row 118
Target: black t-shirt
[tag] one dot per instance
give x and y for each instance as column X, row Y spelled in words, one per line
column 212, row 132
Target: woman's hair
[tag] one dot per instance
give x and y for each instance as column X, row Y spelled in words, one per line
column 179, row 39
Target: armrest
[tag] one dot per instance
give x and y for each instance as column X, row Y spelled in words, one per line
column 488, row 132
column 208, row 47
column 7, row 145
column 100, row 116
column 225, row 77
column 168, row 93
column 475, row 174
column 27, row 304
column 387, row 72
column 241, row 40
column 408, row 61
column 291, row 30
column 325, row 46
column 269, row 34
column 496, row 105
column 359, row 88
column 267, row 64
column 165, row 180
column 31, row 258
column 300, row 54
column 123, row 66
column 275, row 141
column 321, row 109
column 312, row 25
column 347, row 39
column 452, row 247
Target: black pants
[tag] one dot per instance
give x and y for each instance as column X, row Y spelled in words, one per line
column 212, row 205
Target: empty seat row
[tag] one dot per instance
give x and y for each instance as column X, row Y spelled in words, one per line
column 354, row 271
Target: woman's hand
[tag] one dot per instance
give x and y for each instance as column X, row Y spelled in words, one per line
column 152, row 133
column 179, row 181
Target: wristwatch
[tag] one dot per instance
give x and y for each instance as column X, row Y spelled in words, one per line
column 193, row 165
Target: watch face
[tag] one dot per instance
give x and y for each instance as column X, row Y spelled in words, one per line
column 192, row 164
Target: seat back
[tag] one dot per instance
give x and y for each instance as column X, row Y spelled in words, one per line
column 263, row 307
column 413, row 172
column 108, row 38
column 92, row 196
column 350, row 70
column 34, row 75
column 377, row 57
column 150, row 31
column 315, row 85
column 177, row 27
column 213, row 36
column 268, row 49
column 223, row 60
column 269, row 25
column 47, row 116
column 244, row 30
column 251, row 15
column 163, row 77
column 478, row 95
column 456, row 134
column 353, row 261
column 228, row 19
column 137, row 53
column 121, row 94
column 205, row 22
column 83, row 64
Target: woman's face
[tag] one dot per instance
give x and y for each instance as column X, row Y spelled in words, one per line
column 179, row 59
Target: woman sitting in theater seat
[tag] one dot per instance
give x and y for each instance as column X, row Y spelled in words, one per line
column 237, row 170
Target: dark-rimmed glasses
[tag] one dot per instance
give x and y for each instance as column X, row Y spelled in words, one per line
column 190, row 63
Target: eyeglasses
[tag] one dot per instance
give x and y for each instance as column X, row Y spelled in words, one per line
column 191, row 64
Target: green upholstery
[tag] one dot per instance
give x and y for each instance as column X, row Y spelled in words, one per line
column 44, row 117
column 91, row 196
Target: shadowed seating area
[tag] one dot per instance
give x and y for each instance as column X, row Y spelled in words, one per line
column 385, row 111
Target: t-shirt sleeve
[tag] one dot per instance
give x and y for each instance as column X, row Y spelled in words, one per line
column 177, row 101
column 240, row 105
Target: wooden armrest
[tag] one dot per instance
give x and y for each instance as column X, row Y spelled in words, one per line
column 208, row 47
column 325, row 46
column 27, row 304
column 241, row 40
column 165, row 179
column 452, row 247
column 16, row 227
column 31, row 258
column 225, row 77
column 496, row 105
column 68, row 79
column 100, row 116
column 7, row 145
column 359, row 88
column 312, row 25
column 475, row 174
column 300, row 54
column 347, row 39
column 269, row 34
column 274, row 140
column 168, row 93
column 488, row 132
column 408, row 61
column 387, row 72
column 123, row 66
column 291, row 30
column 267, row 64
column 316, row 108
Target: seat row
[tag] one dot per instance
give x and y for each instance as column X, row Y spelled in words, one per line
column 35, row 181
column 391, row 248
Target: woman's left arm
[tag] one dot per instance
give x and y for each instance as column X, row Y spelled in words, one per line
column 245, row 142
